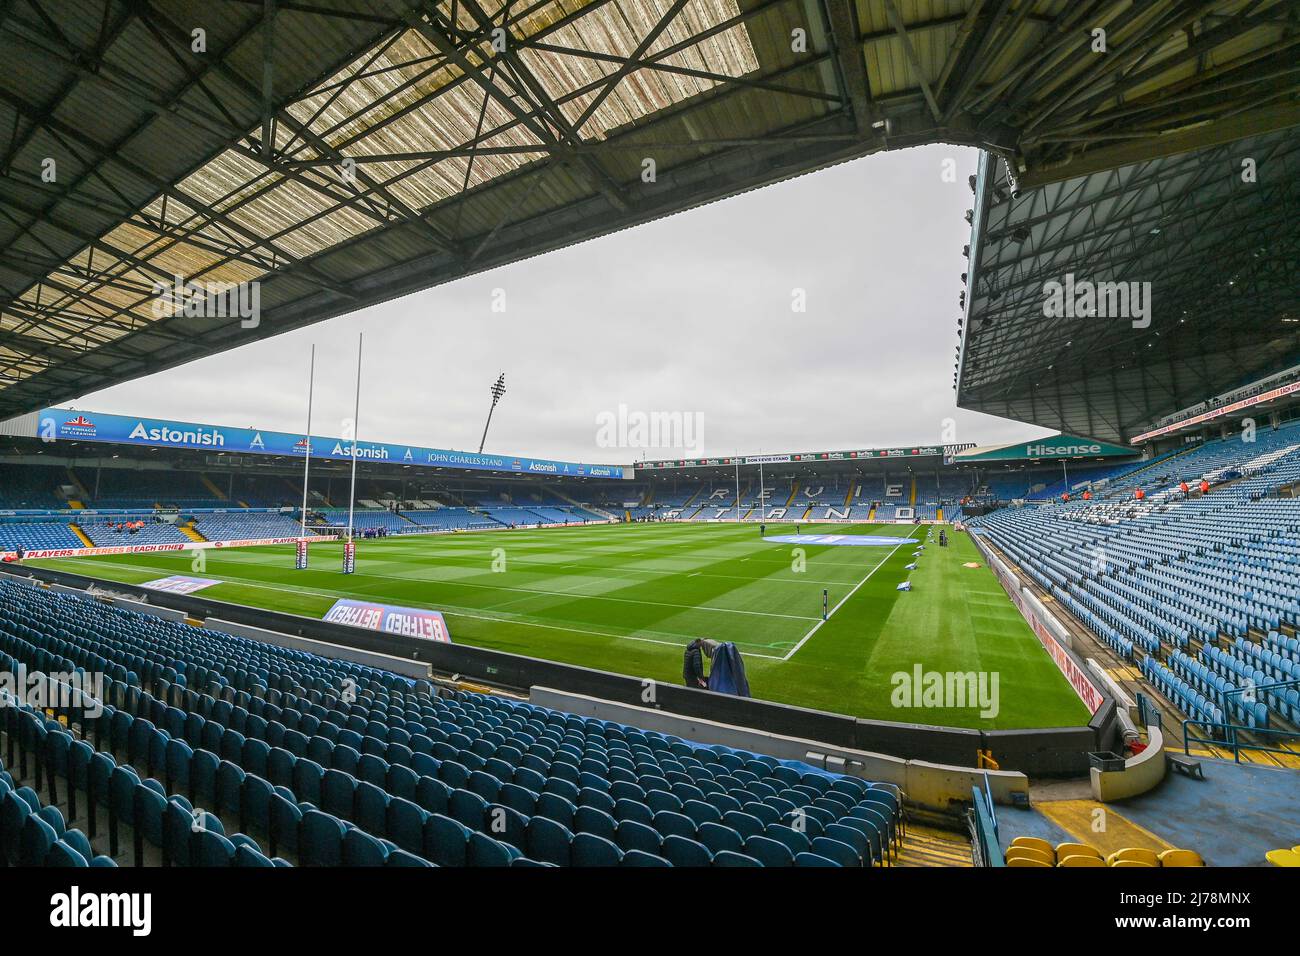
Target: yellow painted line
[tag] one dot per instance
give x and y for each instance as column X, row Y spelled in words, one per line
column 1076, row 817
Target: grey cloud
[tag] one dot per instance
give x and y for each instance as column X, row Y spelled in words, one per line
column 691, row 313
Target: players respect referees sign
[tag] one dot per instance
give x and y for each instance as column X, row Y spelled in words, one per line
column 390, row 619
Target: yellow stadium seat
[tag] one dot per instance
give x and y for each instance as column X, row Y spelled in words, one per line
column 1295, row 849
column 1134, row 863
column 1140, row 854
column 1280, row 857
column 1081, row 859
column 1181, row 858
column 1076, row 849
column 1030, row 853
column 1026, row 861
column 1034, row 843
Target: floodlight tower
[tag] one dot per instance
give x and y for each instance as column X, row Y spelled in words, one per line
column 498, row 389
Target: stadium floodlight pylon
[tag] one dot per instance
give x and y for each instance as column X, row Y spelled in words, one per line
column 498, row 389
column 300, row 560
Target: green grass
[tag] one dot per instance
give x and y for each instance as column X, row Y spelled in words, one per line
column 627, row 598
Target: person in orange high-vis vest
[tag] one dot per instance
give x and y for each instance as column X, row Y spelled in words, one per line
column 1205, row 487
column 1139, row 494
column 1182, row 486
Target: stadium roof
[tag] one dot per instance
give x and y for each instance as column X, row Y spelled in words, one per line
column 344, row 153
column 1216, row 235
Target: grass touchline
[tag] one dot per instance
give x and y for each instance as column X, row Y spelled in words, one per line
column 627, row 598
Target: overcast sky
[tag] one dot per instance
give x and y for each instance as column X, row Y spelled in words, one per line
column 691, row 314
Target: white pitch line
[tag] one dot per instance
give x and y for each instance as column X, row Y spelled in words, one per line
column 804, row 639
column 451, row 610
column 538, row 592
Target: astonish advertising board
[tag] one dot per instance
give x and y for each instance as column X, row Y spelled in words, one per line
column 61, row 424
column 390, row 619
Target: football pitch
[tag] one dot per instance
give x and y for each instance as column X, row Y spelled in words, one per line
column 627, row 598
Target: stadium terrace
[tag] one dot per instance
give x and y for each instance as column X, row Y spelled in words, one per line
column 231, row 648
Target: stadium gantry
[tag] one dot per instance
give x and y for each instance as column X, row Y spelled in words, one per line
column 344, row 153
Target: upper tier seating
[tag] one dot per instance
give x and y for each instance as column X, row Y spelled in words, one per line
column 123, row 488
column 31, row 486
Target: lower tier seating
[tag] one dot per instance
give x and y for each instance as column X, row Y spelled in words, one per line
column 327, row 762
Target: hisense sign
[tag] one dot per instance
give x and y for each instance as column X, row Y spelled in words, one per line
column 1055, row 446
column 1047, row 450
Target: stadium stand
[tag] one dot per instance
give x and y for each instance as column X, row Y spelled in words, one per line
column 246, row 525
column 37, row 534
column 107, row 533
column 262, row 734
column 392, row 522
column 120, row 488
column 449, row 519
column 31, row 486
column 1193, row 587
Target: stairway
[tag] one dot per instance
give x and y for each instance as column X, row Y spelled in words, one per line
column 930, row 846
column 1158, row 462
column 82, row 536
column 211, row 486
column 76, row 482
column 187, row 529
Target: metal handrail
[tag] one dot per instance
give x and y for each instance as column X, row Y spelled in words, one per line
column 1230, row 739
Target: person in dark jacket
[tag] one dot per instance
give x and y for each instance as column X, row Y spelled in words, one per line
column 693, row 662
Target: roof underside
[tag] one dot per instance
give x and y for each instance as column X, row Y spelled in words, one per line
column 344, row 153
column 1215, row 233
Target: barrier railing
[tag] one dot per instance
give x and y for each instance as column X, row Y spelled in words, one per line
column 987, row 844
column 1231, row 741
